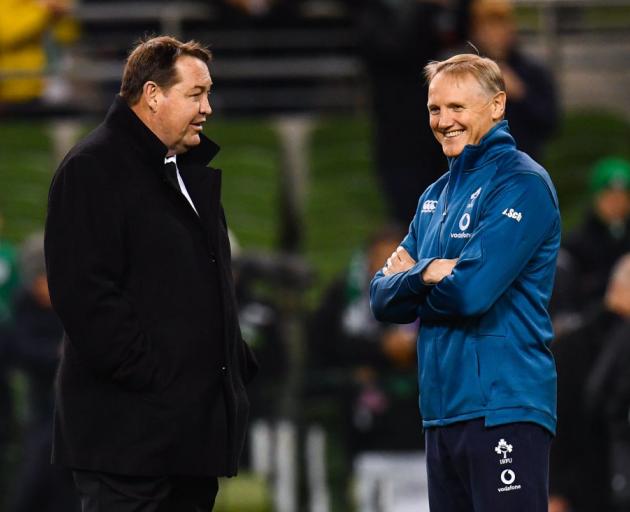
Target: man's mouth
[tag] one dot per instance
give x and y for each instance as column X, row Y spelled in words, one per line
column 453, row 133
column 197, row 126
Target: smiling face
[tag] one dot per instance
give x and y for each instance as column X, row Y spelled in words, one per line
column 461, row 111
column 180, row 110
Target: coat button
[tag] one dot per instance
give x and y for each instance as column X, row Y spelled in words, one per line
column 224, row 368
column 213, row 258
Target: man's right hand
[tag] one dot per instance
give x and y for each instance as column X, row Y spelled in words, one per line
column 399, row 261
column 437, row 270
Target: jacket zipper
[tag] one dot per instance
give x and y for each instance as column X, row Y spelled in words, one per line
column 442, row 219
column 437, row 345
column 445, row 211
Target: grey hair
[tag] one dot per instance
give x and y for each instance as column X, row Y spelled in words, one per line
column 485, row 70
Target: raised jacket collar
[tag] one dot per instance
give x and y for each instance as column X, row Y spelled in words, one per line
column 493, row 143
column 143, row 141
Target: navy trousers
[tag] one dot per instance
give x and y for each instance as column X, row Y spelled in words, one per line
column 103, row 492
column 473, row 468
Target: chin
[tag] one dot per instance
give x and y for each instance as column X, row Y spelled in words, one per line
column 193, row 140
column 452, row 152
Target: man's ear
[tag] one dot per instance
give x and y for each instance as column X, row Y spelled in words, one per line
column 150, row 92
column 498, row 106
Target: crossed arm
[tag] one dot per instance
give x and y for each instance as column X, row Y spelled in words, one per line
column 401, row 261
column 402, row 284
column 469, row 285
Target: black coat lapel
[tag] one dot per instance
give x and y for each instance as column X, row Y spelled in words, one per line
column 204, row 187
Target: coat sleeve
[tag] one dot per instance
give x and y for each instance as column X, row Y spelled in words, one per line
column 86, row 264
column 395, row 298
column 516, row 219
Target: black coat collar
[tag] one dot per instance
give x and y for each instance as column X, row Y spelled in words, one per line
column 146, row 144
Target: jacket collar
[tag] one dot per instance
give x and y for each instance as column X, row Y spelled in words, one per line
column 151, row 149
column 496, row 141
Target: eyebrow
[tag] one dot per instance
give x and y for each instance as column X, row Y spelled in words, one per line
column 449, row 105
column 202, row 87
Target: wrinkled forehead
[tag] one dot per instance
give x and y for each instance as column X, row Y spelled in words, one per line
column 457, row 77
column 449, row 83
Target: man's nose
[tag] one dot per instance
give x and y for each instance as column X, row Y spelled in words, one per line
column 444, row 120
column 205, row 107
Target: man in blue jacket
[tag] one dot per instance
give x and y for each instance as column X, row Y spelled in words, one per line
column 477, row 268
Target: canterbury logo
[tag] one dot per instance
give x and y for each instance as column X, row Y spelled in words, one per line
column 429, row 206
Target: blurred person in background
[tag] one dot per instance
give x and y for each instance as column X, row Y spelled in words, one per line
column 260, row 318
column 368, row 368
column 396, row 39
column 24, row 25
column 604, row 234
column 35, row 342
column 593, row 439
column 378, row 359
column 254, row 7
column 258, row 13
column 9, row 281
column 9, row 275
column 6, row 413
column 532, row 107
column 608, row 385
column 151, row 405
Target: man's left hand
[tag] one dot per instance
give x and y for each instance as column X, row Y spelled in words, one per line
column 437, row 270
column 399, row 261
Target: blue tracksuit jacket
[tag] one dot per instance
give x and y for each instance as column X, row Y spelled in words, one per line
column 483, row 345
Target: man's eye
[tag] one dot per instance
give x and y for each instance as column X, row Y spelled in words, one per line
column 434, row 111
column 458, row 108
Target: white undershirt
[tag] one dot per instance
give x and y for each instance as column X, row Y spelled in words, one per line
column 182, row 186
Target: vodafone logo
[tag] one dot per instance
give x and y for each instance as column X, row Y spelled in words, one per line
column 508, row 476
column 464, row 222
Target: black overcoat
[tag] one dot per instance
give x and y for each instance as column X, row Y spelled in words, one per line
column 153, row 371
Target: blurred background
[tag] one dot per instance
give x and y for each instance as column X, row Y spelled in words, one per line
column 320, row 110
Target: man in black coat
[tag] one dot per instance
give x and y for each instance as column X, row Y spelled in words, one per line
column 150, row 396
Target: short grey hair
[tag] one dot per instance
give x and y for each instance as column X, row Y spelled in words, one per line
column 485, row 70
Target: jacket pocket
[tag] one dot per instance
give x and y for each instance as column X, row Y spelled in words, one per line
column 499, row 370
column 428, row 376
column 460, row 368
